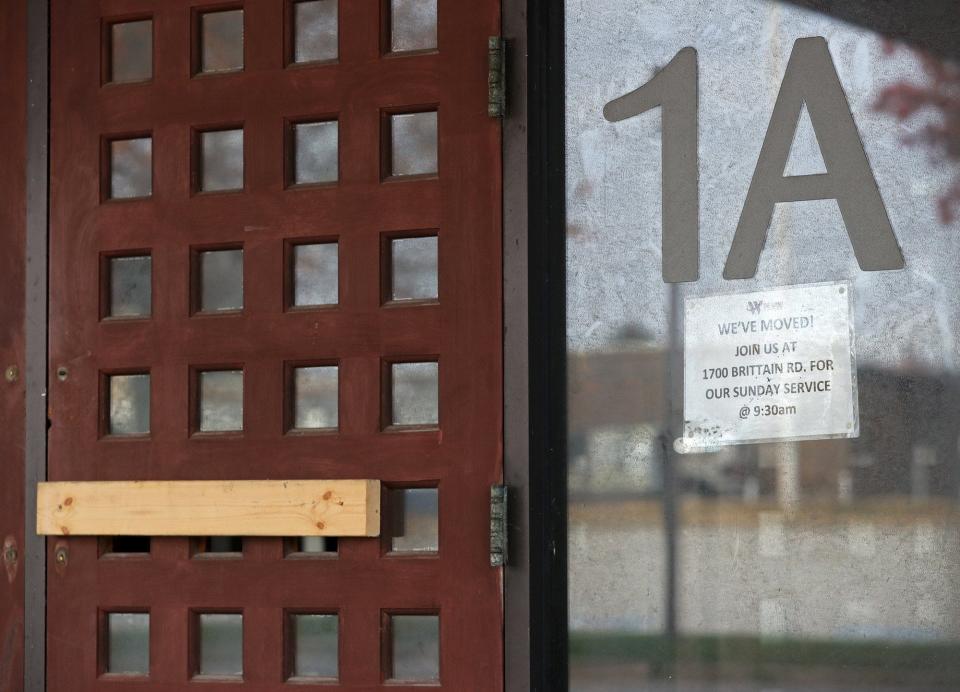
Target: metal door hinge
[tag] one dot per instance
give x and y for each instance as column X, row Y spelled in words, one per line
column 496, row 77
column 498, row 525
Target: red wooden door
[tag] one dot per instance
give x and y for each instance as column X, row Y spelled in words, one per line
column 275, row 254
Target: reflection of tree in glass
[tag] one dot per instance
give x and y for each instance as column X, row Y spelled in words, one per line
column 941, row 94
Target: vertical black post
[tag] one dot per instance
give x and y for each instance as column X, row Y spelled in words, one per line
column 547, row 344
column 674, row 431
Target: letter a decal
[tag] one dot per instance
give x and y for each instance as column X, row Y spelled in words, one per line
column 811, row 79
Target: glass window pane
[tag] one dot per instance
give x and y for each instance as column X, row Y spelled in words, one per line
column 130, row 286
column 131, row 51
column 413, row 268
column 221, row 41
column 415, row 393
column 317, row 544
column 128, row 643
column 315, row 646
column 415, row 648
column 316, row 397
column 221, row 644
column 315, row 152
column 131, row 168
column 413, row 25
column 413, row 143
column 129, row 404
column 221, row 280
column 414, row 520
column 221, row 400
column 315, row 274
column 221, row 165
column 315, row 30
column 832, row 558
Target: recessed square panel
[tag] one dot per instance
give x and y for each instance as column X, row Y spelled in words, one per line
column 221, row 280
column 128, row 643
column 126, row 545
column 315, row 31
column 316, row 397
column 315, row 645
column 129, row 405
column 220, row 644
column 413, row 25
column 221, row 41
column 415, row 394
column 131, row 51
column 315, row 274
column 415, row 648
column 220, row 400
column 130, row 286
column 414, row 524
column 221, row 160
column 413, row 143
column 413, row 268
column 315, row 152
column 131, row 168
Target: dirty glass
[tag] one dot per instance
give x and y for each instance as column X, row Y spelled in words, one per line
column 315, row 274
column 221, row 162
column 130, row 286
column 128, row 643
column 316, row 397
column 221, row 41
column 415, row 648
column 821, row 565
column 315, row 152
column 316, row 545
column 315, row 645
column 131, row 51
column 413, row 143
column 414, row 389
column 221, row 280
column 220, row 644
column 314, row 30
column 221, row 400
column 413, row 268
column 129, row 404
column 413, row 25
column 131, row 168
column 413, row 516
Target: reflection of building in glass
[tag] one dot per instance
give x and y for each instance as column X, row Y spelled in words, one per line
column 907, row 446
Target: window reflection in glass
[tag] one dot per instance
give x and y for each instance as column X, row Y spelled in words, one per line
column 314, row 30
column 131, row 168
column 413, row 25
column 129, row 404
column 415, row 394
column 128, row 643
column 221, row 400
column 413, row 270
column 131, row 51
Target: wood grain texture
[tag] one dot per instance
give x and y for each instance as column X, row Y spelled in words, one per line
column 209, row 508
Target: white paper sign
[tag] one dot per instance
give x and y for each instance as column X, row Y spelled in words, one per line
column 769, row 365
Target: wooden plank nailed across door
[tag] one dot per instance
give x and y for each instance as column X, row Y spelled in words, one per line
column 209, row 508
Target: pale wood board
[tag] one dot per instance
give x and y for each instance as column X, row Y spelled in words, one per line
column 209, row 508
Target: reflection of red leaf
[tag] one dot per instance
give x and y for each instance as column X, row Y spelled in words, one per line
column 941, row 95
